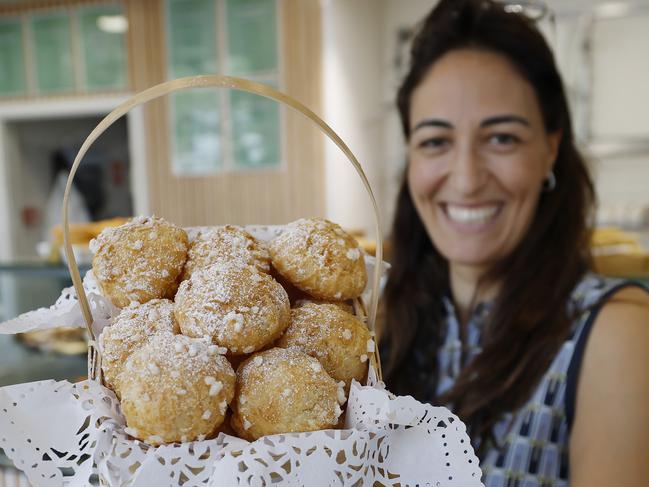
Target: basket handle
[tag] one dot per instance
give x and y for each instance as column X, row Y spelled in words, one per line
column 212, row 81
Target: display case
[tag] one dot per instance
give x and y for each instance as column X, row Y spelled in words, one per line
column 59, row 354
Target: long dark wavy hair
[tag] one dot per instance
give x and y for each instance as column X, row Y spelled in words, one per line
column 529, row 319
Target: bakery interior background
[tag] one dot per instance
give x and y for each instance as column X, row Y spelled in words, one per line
column 212, row 157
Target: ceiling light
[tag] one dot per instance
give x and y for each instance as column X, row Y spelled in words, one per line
column 113, row 24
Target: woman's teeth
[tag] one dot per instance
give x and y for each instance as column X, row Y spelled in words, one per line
column 462, row 214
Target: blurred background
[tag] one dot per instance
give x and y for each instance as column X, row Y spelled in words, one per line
column 207, row 157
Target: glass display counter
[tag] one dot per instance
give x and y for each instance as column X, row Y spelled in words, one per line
column 25, row 286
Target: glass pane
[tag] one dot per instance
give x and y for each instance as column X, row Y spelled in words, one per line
column 196, row 144
column 12, row 73
column 53, row 52
column 255, row 131
column 252, row 36
column 104, row 51
column 192, row 37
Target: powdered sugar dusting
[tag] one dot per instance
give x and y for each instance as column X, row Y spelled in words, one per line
column 330, row 334
column 219, row 302
column 353, row 254
column 341, row 393
column 177, row 383
column 130, row 266
column 215, row 388
column 309, row 396
column 216, row 350
column 225, row 244
column 93, row 245
column 133, row 327
column 318, row 257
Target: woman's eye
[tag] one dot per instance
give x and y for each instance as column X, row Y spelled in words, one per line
column 503, row 140
column 433, row 143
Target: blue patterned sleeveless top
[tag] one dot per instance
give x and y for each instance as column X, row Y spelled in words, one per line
column 535, row 438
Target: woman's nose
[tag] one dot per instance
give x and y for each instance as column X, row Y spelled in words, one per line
column 467, row 171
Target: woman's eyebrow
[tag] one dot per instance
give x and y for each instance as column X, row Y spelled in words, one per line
column 505, row 119
column 433, row 122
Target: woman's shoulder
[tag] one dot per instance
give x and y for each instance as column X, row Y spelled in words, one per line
column 594, row 290
column 623, row 318
column 613, row 393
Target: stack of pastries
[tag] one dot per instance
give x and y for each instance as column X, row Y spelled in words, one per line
column 196, row 307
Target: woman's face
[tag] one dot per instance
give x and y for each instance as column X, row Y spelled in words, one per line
column 478, row 155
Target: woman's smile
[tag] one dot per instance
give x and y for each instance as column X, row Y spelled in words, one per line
column 471, row 218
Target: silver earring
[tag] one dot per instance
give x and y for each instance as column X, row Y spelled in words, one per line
column 550, row 182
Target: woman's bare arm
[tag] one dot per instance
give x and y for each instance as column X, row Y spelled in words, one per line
column 609, row 443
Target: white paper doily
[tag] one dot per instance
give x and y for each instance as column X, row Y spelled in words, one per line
column 62, row 434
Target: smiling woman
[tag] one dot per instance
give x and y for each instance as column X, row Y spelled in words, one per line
column 490, row 306
column 479, row 153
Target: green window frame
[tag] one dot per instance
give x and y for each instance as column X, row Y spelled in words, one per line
column 216, row 131
column 103, row 53
column 51, row 43
column 13, row 81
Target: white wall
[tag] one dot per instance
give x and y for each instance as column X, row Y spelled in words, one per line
column 353, row 75
column 399, row 15
column 613, row 71
column 621, row 77
column 620, row 111
column 360, row 80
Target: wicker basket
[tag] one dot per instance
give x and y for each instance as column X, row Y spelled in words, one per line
column 211, row 81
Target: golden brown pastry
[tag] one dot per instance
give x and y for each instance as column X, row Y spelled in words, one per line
column 140, row 260
column 284, row 391
column 344, row 305
column 318, row 257
column 133, row 326
column 294, row 294
column 223, row 245
column 335, row 337
column 235, row 305
column 175, row 389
